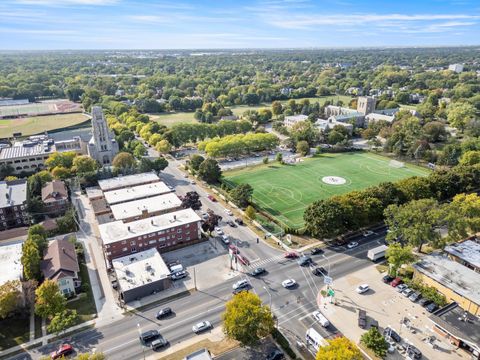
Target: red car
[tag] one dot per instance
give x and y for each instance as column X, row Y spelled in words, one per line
column 243, row 259
column 64, row 349
column 291, row 255
column 397, row 281
column 234, row 249
column 211, row 198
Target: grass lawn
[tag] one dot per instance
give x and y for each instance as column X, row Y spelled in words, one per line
column 39, row 124
column 284, row 191
column 85, row 304
column 169, row 119
column 14, row 331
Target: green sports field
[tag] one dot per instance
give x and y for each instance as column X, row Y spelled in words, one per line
column 284, row 191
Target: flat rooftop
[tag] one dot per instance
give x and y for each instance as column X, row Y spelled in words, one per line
column 10, row 263
column 452, row 318
column 21, row 151
column 468, row 251
column 94, row 192
column 138, row 269
column 16, row 191
column 136, row 192
column 119, row 231
column 202, row 354
column 126, row 181
column 159, row 203
column 452, row 275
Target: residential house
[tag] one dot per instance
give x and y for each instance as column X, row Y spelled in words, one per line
column 55, row 198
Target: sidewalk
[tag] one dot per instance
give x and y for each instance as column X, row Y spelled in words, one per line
column 108, row 309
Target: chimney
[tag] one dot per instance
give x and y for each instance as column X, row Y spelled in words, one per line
column 151, row 221
column 145, row 214
column 175, row 217
column 128, row 228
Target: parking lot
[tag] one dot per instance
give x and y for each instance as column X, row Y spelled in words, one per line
column 383, row 304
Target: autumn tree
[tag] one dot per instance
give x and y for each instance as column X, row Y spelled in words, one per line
column 277, row 108
column 471, row 157
column 250, row 212
column 10, row 298
column 83, row 164
column 246, row 319
column 124, row 160
column 49, row 301
column 339, row 348
column 61, row 159
column 375, row 341
column 30, row 260
column 459, row 114
column 163, row 147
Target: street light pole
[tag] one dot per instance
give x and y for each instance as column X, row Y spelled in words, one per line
column 271, row 309
column 143, row 346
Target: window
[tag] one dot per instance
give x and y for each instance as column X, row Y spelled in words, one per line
column 140, row 245
column 124, row 242
column 107, row 246
column 132, row 243
column 152, row 242
column 161, row 245
column 109, row 253
column 161, row 232
column 134, row 249
column 162, row 239
column 124, row 249
column 139, row 238
column 151, row 235
column 179, row 231
column 62, row 282
column 144, row 236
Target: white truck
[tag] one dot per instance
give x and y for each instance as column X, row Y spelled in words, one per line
column 377, row 253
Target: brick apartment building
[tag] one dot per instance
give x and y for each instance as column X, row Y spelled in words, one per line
column 163, row 232
column 55, row 198
column 13, row 204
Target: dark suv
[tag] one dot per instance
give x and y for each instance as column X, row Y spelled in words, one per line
column 275, row 355
column 149, row 336
column 392, row 333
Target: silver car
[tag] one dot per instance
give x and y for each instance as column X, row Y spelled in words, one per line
column 201, row 326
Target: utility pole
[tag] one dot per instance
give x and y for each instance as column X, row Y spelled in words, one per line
column 143, row 346
column 194, row 278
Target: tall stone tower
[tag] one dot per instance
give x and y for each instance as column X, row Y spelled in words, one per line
column 102, row 146
column 366, row 104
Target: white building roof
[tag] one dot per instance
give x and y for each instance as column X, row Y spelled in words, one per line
column 151, row 205
column 136, row 192
column 468, row 251
column 118, row 231
column 451, row 274
column 378, row 117
column 10, row 263
column 140, row 268
column 22, row 151
column 129, row 180
column 16, row 191
column 94, row 192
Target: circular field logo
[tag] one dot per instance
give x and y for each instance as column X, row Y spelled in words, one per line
column 334, row 180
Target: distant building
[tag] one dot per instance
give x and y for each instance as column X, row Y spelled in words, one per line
column 374, row 117
column 326, row 125
column 102, row 146
column 13, row 204
column 10, row 102
column 366, row 104
column 457, row 282
column 141, row 274
column 60, row 264
column 358, row 119
column 121, row 182
column 458, row 68
column 164, row 232
column 10, row 262
column 466, row 253
column 202, row 354
column 55, row 198
column 289, row 121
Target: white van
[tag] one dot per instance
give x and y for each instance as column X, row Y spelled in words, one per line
column 321, row 318
column 176, row 268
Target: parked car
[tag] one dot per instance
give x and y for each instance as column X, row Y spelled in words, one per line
column 228, row 212
column 316, row 251
column 211, row 198
column 242, row 259
column 164, row 313
column 201, row 326
column 241, row 284
column 407, row 292
column 389, row 332
column 362, row 318
column 322, row 320
column 387, row 279
column 320, row 271
column 179, row 275
column 401, row 287
column 291, row 255
column 64, row 349
column 352, row 245
column 415, row 296
column 397, row 281
column 361, row 289
column 412, row 351
column 424, row 302
column 431, row 307
column 225, row 239
column 149, row 336
column 159, row 343
column 239, row 221
column 258, row 271
column 275, row 355
column 231, row 223
column 204, row 216
column 288, row 283
column 368, row 233
column 193, row 182
column 218, row 230
column 304, row 260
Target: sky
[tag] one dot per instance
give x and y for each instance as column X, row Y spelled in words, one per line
column 204, row 24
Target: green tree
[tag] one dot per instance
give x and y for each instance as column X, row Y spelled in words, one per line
column 124, row 160
column 37, row 229
column 246, row 319
column 156, row 165
column 303, row 148
column 462, row 216
column 30, row 260
column 62, row 321
column 277, row 108
column 241, row 195
column 83, row 164
column 339, row 348
column 60, row 172
column 163, row 147
column 415, row 223
column 94, row 356
column 265, row 160
column 250, row 212
column 10, row 298
column 62, row 159
column 279, row 157
column 375, row 341
column 470, row 158
column 209, row 171
column 49, row 300
column 397, row 255
column 195, row 162
column 67, row 223
column 459, row 114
